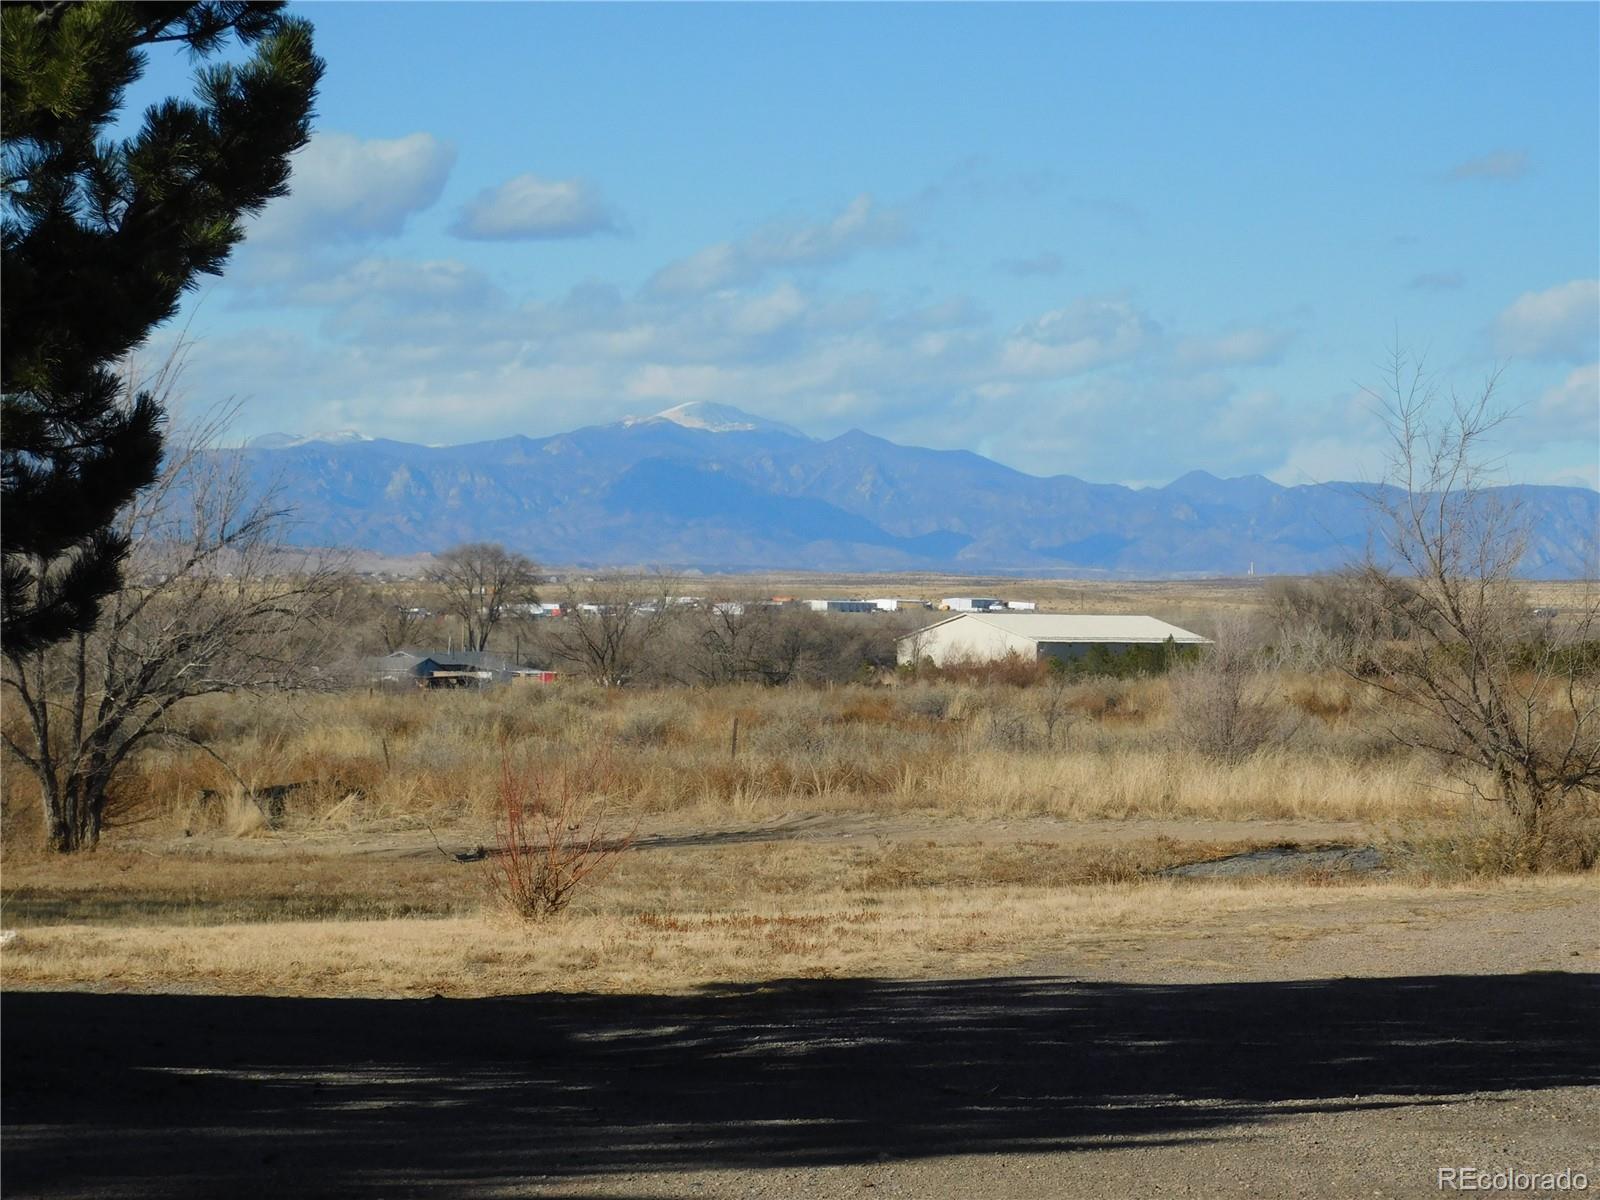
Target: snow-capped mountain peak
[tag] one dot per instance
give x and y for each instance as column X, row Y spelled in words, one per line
column 285, row 441
column 717, row 418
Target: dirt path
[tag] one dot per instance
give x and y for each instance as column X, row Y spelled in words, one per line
column 675, row 832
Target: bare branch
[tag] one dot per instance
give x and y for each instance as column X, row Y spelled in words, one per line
column 1486, row 691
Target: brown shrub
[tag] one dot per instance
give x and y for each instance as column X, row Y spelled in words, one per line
column 1014, row 670
column 1489, row 844
column 553, row 835
column 1115, row 702
column 1215, row 709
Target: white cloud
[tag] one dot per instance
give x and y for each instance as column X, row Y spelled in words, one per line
column 861, row 225
column 1562, row 322
column 1239, row 348
column 528, row 208
column 705, row 270
column 657, row 382
column 1254, row 416
column 345, row 187
column 1573, row 405
column 1083, row 335
column 1500, row 164
column 1328, row 460
column 778, row 309
column 394, row 283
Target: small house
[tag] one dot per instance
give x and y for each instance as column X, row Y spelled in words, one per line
column 399, row 666
column 450, row 669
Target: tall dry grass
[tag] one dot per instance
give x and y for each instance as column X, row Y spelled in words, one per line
column 1099, row 749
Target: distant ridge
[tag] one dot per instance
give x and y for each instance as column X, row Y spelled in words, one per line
column 710, row 486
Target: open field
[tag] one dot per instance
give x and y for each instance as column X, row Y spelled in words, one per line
column 862, row 828
column 675, row 920
column 1100, row 749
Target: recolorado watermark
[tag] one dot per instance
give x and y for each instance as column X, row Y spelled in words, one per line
column 1477, row 1179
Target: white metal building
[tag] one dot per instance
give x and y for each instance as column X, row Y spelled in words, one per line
column 898, row 604
column 842, row 606
column 986, row 636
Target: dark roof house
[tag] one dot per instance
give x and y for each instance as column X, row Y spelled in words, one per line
column 446, row 668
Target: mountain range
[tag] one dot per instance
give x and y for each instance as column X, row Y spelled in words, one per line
column 711, row 487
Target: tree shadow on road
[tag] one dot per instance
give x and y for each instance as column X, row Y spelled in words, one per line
column 216, row 1095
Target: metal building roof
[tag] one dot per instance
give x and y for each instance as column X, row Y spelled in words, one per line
column 1079, row 628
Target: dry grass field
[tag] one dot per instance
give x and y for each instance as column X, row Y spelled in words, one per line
column 901, row 829
column 902, row 826
column 1100, row 749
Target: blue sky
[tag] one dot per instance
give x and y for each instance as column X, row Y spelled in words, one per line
column 1115, row 241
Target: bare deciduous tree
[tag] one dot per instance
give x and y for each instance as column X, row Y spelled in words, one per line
column 398, row 623
column 1326, row 621
column 478, row 581
column 1510, row 706
column 609, row 625
column 210, row 602
column 748, row 641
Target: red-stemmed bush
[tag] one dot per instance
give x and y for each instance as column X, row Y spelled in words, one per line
column 554, row 834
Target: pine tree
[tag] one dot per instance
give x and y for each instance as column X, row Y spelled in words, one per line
column 102, row 238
